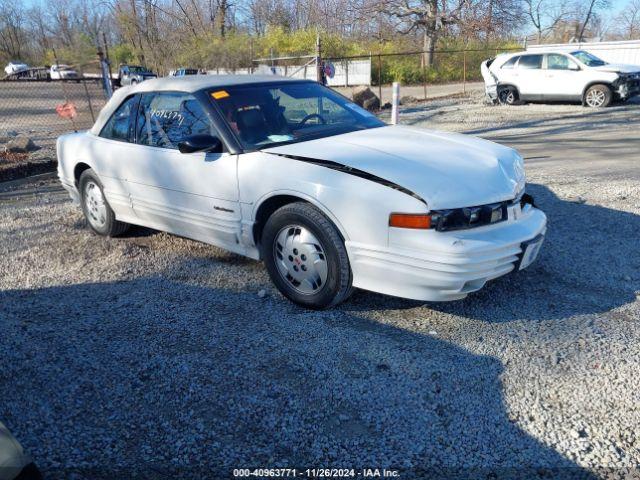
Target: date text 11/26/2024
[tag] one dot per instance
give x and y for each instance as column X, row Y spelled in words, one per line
column 315, row 473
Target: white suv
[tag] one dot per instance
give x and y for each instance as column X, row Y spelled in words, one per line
column 557, row 75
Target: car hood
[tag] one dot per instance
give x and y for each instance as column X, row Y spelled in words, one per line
column 447, row 170
column 618, row 68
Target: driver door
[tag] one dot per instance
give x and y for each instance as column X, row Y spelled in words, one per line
column 563, row 78
column 194, row 194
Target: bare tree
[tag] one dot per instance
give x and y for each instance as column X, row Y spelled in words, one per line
column 629, row 20
column 545, row 16
column 12, row 31
column 429, row 17
column 586, row 13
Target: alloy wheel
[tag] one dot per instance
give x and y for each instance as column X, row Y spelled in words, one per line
column 595, row 98
column 95, row 205
column 300, row 259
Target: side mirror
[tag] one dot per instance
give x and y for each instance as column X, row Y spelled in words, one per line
column 574, row 67
column 200, row 143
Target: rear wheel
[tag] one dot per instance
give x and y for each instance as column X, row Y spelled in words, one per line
column 305, row 256
column 508, row 96
column 598, row 96
column 96, row 210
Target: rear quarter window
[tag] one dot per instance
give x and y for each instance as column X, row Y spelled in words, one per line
column 119, row 125
column 529, row 62
column 510, row 63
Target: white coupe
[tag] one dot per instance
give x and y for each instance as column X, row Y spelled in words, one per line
column 292, row 173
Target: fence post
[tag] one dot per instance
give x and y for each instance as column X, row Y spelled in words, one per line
column 424, row 78
column 86, row 92
column 106, row 56
column 106, row 74
column 380, row 78
column 464, row 71
column 346, row 73
column 395, row 102
column 318, row 59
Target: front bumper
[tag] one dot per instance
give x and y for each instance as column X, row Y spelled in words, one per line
column 628, row 88
column 442, row 266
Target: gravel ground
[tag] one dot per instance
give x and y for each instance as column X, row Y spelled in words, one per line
column 153, row 356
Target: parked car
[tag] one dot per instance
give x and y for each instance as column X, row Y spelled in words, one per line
column 63, row 72
column 134, row 74
column 559, row 75
column 181, row 72
column 291, row 172
column 15, row 67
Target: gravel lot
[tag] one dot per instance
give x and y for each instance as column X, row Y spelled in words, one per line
column 153, row 356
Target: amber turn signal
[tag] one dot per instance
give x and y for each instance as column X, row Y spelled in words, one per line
column 409, row 220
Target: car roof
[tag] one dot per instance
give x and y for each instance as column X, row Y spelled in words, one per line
column 195, row 83
column 542, row 51
column 187, row 84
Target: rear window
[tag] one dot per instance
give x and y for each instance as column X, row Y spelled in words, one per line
column 530, row 62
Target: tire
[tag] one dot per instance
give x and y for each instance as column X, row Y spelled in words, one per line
column 133, row 83
column 99, row 215
column 598, row 96
column 306, row 257
column 508, row 96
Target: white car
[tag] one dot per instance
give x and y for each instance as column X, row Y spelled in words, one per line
column 559, row 75
column 63, row 72
column 290, row 172
column 15, row 67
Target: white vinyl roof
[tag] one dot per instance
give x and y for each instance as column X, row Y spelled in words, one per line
column 188, row 84
column 193, row 83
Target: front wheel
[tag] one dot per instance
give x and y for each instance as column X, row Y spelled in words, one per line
column 97, row 211
column 598, row 96
column 306, row 257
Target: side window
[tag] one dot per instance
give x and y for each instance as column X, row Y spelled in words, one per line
column 510, row 63
column 556, row 61
column 165, row 119
column 529, row 62
column 117, row 128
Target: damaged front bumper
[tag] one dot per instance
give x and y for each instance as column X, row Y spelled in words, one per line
column 628, row 86
column 429, row 265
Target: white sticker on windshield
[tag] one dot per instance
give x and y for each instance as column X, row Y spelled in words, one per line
column 280, row 138
column 359, row 109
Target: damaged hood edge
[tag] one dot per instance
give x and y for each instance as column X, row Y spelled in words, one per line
column 443, row 170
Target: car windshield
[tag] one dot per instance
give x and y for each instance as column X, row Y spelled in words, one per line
column 588, row 59
column 138, row 70
column 288, row 112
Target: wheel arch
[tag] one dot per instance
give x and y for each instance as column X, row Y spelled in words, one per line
column 509, row 85
column 265, row 206
column 596, row 82
column 79, row 168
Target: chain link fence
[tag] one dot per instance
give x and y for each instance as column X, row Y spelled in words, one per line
column 449, row 73
column 30, row 120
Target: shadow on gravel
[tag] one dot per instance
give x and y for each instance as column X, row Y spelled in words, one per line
column 589, row 264
column 154, row 378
